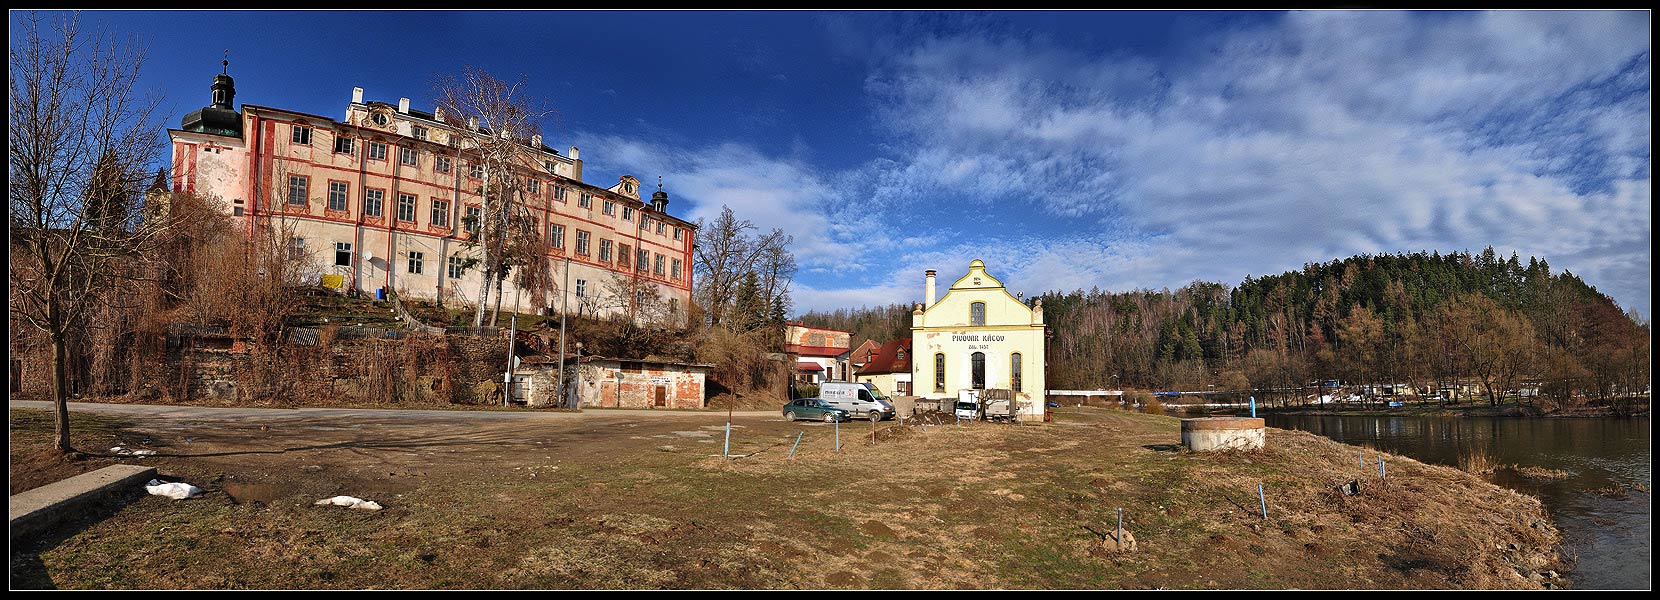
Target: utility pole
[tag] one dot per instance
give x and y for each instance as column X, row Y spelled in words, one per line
column 512, row 342
column 564, row 306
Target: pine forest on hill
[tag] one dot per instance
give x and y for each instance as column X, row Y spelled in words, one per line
column 1426, row 320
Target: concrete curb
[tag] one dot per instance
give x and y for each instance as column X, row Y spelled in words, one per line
column 39, row 509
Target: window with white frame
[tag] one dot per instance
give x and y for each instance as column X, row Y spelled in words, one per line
column 674, row 269
column 456, row 266
column 471, row 219
column 559, row 193
column 342, row 144
column 659, row 228
column 377, row 151
column 337, row 195
column 610, row 208
column 605, row 250
column 535, row 186
column 644, row 223
column 372, row 199
column 419, row 132
column 581, row 242
column 642, row 260
column 581, row 288
column 297, row 185
column 475, row 171
column 679, row 234
column 440, row 213
column 586, row 200
column 657, row 264
column 406, row 207
column 342, row 254
column 409, row 156
column 301, row 135
column 441, row 163
column 628, row 213
column 415, row 262
column 556, row 236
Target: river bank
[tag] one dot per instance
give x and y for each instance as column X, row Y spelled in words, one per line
column 558, row 503
column 1469, row 410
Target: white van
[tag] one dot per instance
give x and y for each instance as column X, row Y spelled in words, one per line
column 860, row 399
column 967, row 407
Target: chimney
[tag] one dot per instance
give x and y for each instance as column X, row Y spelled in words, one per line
column 574, row 154
column 357, row 95
column 472, row 123
column 438, row 114
column 536, row 141
column 928, row 296
column 403, row 105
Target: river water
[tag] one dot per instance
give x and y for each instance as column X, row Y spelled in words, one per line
column 1603, row 508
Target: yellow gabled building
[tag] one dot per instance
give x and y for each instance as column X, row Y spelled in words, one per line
column 977, row 337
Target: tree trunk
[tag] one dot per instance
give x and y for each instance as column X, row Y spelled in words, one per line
column 60, row 390
column 483, row 288
column 495, row 313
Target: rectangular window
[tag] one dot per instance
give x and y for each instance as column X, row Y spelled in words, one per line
column 342, row 254
column 642, row 260
column 296, row 248
column 657, row 264
column 440, row 213
column 406, row 207
column 547, row 165
column 644, row 223
column 371, row 202
column 628, row 213
column 409, row 156
column 302, row 135
column 674, row 269
column 377, row 151
column 455, row 266
column 624, row 256
column 581, row 287
column 337, row 195
column 342, row 144
column 419, row 132
column 415, row 262
column 556, row 236
column 559, row 193
column 475, row 171
column 605, row 250
column 586, row 200
column 939, row 372
column 441, row 163
column 977, row 313
column 581, row 242
column 610, row 208
column 679, row 234
column 535, row 186
column 297, row 189
column 659, row 228
column 474, row 214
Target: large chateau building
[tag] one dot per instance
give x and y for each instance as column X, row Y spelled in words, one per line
column 390, row 197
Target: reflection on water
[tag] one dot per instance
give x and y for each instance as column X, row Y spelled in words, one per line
column 1602, row 507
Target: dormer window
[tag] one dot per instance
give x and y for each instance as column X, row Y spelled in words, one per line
column 628, row 188
column 418, row 131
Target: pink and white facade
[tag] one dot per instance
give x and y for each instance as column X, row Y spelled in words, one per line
column 383, row 199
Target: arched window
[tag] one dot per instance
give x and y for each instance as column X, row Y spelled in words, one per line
column 939, row 372
column 977, row 371
column 1014, row 371
column 977, row 313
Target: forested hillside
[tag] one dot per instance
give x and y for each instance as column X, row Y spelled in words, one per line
column 1402, row 318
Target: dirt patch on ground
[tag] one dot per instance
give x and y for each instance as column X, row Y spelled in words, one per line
column 623, row 501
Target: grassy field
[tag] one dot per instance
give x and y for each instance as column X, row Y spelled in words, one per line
column 953, row 507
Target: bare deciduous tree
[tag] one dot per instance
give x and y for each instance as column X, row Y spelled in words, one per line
column 494, row 120
column 727, row 252
column 80, row 144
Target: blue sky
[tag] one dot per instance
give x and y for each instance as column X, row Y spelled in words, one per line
column 1068, row 150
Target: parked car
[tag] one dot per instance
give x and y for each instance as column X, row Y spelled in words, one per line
column 967, row 411
column 860, row 399
column 814, row 409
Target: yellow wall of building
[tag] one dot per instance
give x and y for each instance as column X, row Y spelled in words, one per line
column 1010, row 327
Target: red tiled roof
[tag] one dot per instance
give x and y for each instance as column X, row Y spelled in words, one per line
column 886, row 359
column 808, row 366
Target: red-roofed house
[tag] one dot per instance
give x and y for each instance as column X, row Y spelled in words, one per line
column 816, row 346
column 889, row 368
